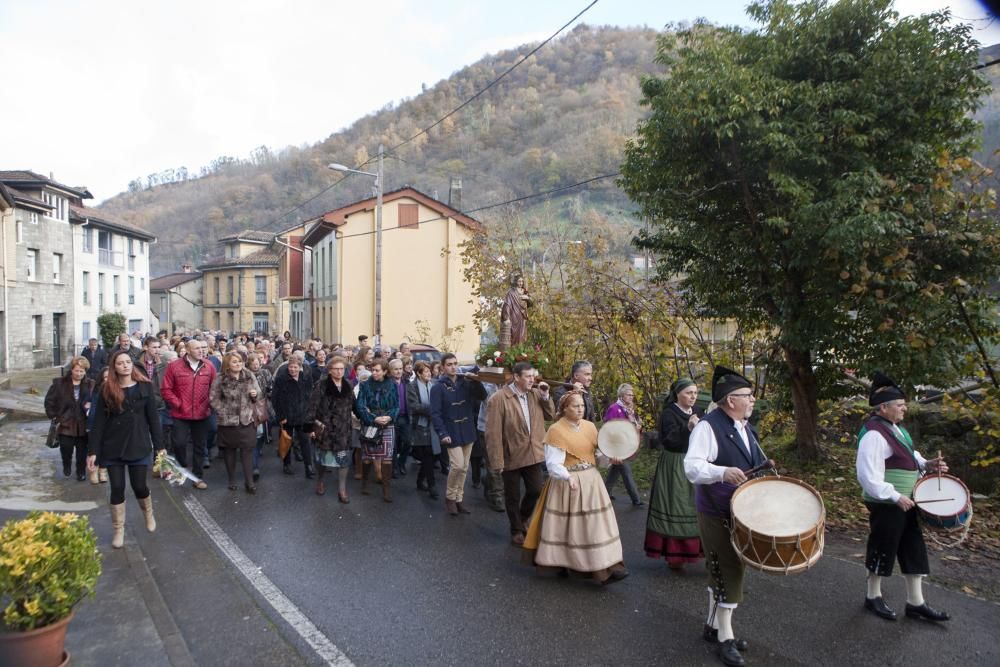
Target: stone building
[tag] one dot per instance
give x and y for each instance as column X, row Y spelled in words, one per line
column 240, row 289
column 176, row 300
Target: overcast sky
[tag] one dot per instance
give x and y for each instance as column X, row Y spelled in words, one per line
column 104, row 91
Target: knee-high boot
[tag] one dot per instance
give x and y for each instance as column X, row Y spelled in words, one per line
column 365, row 469
column 118, row 523
column 358, row 465
column 147, row 509
column 387, row 481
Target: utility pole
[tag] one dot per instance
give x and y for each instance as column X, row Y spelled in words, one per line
column 378, row 248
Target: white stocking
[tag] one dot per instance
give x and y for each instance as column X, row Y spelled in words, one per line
column 725, row 616
column 874, row 586
column 712, row 619
column 914, row 589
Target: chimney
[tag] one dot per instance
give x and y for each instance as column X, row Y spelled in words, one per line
column 186, row 268
column 52, row 176
column 455, row 194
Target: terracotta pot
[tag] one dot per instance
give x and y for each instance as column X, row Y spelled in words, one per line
column 41, row 647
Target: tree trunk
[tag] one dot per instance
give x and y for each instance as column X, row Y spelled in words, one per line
column 804, row 402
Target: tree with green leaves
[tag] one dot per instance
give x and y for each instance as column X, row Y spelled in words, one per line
column 110, row 326
column 812, row 178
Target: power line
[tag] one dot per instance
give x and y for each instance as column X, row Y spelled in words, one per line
column 439, row 120
column 489, row 206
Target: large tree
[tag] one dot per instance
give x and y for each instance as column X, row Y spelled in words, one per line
column 811, row 178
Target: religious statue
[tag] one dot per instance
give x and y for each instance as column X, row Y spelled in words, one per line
column 514, row 314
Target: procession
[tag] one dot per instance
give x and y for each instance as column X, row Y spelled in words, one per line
column 535, row 447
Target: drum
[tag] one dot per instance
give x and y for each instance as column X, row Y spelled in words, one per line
column 618, row 439
column 944, row 502
column 777, row 524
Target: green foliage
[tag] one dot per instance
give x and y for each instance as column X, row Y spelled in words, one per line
column 811, row 179
column 110, row 326
column 984, row 412
column 48, row 563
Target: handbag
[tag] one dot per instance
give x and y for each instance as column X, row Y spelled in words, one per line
column 260, row 415
column 371, row 435
column 284, row 443
column 52, row 440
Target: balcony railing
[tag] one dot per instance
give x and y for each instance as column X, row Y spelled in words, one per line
column 108, row 257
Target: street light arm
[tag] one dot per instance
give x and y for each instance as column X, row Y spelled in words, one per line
column 339, row 167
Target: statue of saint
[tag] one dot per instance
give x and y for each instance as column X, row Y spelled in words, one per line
column 514, row 314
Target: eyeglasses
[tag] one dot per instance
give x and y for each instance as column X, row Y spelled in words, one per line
column 749, row 396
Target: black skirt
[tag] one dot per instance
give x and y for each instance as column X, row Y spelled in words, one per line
column 237, row 437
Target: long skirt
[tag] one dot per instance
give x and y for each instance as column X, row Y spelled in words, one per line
column 576, row 530
column 383, row 450
column 672, row 522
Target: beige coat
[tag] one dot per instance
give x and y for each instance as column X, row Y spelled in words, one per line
column 507, row 437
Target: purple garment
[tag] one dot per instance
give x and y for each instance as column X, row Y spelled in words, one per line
column 401, row 391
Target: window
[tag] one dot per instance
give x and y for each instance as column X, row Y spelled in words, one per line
column 115, row 284
column 36, row 332
column 135, row 325
column 33, row 218
column 142, row 284
column 85, row 332
column 229, row 289
column 100, row 290
column 131, row 255
column 57, row 267
column 32, row 264
column 163, row 307
column 86, row 291
column 408, row 216
column 217, row 292
column 261, row 291
column 19, row 231
column 260, row 322
column 88, row 239
column 142, row 247
column 131, row 290
column 58, row 205
column 218, row 320
column 231, row 318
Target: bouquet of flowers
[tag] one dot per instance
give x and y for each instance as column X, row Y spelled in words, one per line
column 492, row 357
column 172, row 471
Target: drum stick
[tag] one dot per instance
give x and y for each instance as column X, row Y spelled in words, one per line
column 939, row 470
column 935, row 500
column 763, row 466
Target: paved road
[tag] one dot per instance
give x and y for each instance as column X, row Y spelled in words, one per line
column 407, row 584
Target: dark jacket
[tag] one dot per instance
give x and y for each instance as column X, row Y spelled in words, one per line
column 455, row 409
column 60, row 404
column 422, row 433
column 291, row 398
column 127, row 434
column 98, row 360
column 377, row 399
column 589, row 412
column 674, row 433
column 332, row 407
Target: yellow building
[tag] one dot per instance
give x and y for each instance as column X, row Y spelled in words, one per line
column 240, row 290
column 422, row 280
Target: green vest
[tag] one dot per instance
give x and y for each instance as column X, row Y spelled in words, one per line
column 902, row 480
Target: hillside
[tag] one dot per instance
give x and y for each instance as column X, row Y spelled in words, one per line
column 560, row 118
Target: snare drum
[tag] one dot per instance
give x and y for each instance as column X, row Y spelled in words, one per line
column 944, row 502
column 777, row 524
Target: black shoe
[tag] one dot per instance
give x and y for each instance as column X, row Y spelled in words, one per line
column 637, row 503
column 878, row 607
column 730, row 655
column 402, row 469
column 498, row 508
column 81, row 476
column 432, row 493
column 611, row 496
column 421, row 485
column 287, row 469
column 206, row 465
column 309, row 472
column 395, row 473
column 67, row 470
column 298, row 455
column 710, row 634
column 256, row 475
column 924, row 611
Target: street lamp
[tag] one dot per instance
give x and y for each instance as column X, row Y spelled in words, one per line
column 378, row 236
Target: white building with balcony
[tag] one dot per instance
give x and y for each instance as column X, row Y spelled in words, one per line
column 111, row 267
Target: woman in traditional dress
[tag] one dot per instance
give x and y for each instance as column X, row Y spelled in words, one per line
column 330, row 409
column 378, row 405
column 233, row 395
column 672, row 523
column 514, row 312
column 573, row 527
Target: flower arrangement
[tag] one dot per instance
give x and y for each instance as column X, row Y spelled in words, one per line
column 167, row 467
column 491, row 356
column 48, row 563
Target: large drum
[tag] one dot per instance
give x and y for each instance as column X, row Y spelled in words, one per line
column 944, row 502
column 777, row 524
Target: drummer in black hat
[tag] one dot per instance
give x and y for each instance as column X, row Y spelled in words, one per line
column 888, row 468
column 722, row 446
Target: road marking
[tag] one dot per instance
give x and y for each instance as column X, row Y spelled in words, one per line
column 326, row 649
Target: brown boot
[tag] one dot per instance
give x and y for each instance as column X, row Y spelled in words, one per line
column 147, row 509
column 386, row 481
column 358, row 465
column 118, row 522
column 365, row 467
column 462, row 509
column 451, row 506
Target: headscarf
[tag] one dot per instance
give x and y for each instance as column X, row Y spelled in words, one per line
column 677, row 387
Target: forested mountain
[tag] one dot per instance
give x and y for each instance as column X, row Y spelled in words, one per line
column 560, row 118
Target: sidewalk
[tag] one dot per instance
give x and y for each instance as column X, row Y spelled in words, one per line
column 126, row 622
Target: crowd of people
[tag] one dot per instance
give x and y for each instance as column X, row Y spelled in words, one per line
column 531, row 448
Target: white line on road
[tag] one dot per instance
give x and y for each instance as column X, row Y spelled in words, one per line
column 295, row 618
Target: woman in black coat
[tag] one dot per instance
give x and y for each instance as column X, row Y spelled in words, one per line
column 68, row 401
column 290, row 399
column 330, row 408
column 126, row 430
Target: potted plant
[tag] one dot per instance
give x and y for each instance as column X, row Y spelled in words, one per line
column 48, row 563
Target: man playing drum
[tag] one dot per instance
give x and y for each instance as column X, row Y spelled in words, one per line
column 721, row 447
column 888, row 468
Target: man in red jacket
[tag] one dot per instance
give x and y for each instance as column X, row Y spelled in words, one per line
column 185, row 389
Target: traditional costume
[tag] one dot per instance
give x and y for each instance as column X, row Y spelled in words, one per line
column 574, row 530
column 888, row 468
column 716, row 443
column 672, row 523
